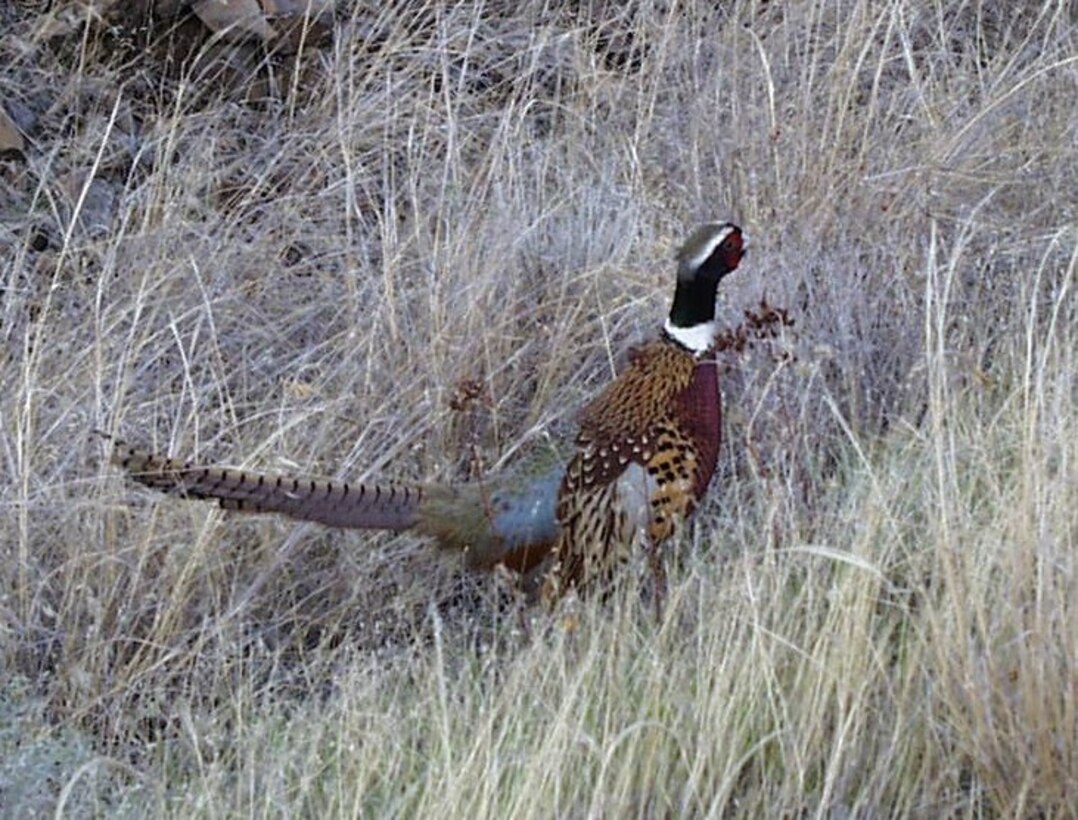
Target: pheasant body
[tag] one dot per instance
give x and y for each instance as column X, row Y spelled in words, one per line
column 645, row 454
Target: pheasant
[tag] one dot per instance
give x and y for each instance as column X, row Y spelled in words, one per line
column 645, row 453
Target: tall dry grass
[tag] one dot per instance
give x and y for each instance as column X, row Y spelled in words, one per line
column 875, row 611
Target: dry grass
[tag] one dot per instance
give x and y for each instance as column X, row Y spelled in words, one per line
column 876, row 611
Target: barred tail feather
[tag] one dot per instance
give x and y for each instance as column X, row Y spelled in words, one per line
column 334, row 503
column 514, row 525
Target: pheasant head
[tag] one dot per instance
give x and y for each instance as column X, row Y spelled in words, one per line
column 709, row 254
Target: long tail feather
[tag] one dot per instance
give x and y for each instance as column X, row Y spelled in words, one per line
column 512, row 525
column 334, row 503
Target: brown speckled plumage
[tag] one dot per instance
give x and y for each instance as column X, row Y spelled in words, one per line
column 662, row 415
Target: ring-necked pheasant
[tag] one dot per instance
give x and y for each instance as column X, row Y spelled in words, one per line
column 645, row 454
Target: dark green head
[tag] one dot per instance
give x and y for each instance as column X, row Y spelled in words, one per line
column 710, row 253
